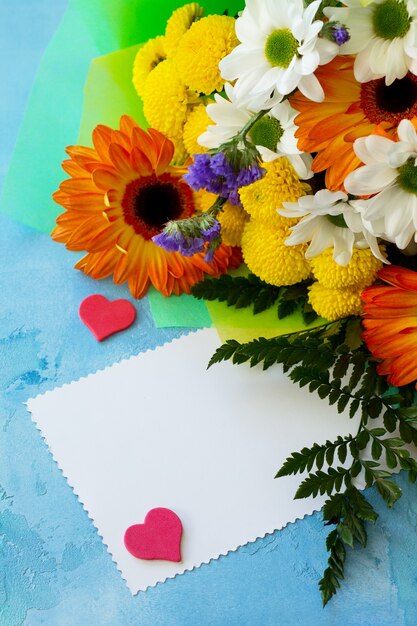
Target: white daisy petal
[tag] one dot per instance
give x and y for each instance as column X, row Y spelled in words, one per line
column 311, row 88
column 370, row 179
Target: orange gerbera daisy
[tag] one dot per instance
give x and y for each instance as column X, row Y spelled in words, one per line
column 390, row 321
column 350, row 110
column 120, row 194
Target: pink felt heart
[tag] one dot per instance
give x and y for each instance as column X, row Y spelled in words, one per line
column 104, row 318
column 159, row 537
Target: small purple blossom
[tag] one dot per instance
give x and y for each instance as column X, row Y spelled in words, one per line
column 217, row 175
column 340, row 35
column 190, row 236
column 213, row 232
column 169, row 242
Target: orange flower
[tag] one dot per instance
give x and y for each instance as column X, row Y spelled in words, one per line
column 390, row 321
column 350, row 110
column 120, row 194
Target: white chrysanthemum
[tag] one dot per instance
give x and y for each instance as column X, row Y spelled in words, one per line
column 383, row 35
column 390, row 172
column 329, row 220
column 279, row 51
column 273, row 134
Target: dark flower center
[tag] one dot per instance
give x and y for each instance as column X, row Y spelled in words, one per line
column 150, row 202
column 390, row 103
column 157, row 204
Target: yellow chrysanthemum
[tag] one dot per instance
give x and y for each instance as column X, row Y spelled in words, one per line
column 233, row 220
column 147, row 58
column 166, row 103
column 196, row 124
column 201, row 49
column 359, row 273
column 266, row 255
column 179, row 22
column 280, row 184
column 334, row 304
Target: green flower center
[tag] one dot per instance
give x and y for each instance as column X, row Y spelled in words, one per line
column 407, row 178
column 266, row 132
column 337, row 220
column 391, row 19
column 280, row 47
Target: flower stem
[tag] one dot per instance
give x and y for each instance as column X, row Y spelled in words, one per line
column 244, row 131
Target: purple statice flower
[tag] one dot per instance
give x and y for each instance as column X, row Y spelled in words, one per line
column 168, row 241
column 191, row 246
column 213, row 232
column 189, row 236
column 177, row 242
column 216, row 174
column 340, row 34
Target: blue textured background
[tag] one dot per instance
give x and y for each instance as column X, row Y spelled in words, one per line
column 53, row 567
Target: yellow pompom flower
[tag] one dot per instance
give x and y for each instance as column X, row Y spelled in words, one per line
column 280, row 184
column 166, row 103
column 334, row 304
column 204, row 200
column 233, row 220
column 147, row 58
column 359, row 273
column 196, row 124
column 179, row 22
column 266, row 255
column 201, row 49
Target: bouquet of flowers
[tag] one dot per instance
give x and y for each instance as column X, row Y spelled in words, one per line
column 283, row 137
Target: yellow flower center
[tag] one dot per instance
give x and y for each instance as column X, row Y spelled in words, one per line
column 280, row 47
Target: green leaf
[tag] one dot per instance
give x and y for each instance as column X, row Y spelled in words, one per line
column 375, row 407
column 341, row 366
column 286, row 308
column 354, row 406
column 238, row 291
column 322, row 482
column 353, row 337
column 376, row 449
column 361, row 506
column 308, row 314
column 345, row 534
column 390, row 420
column 225, row 352
column 389, row 490
column 390, row 458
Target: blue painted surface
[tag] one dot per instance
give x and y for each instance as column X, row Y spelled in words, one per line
column 54, row 568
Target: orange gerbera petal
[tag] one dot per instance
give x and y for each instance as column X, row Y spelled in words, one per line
column 119, row 195
column 348, row 111
column 390, row 322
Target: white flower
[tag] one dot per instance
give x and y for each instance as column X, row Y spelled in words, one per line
column 390, row 172
column 329, row 220
column 273, row 134
column 383, row 35
column 279, row 51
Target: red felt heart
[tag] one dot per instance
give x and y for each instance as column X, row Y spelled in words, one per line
column 159, row 537
column 104, row 318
